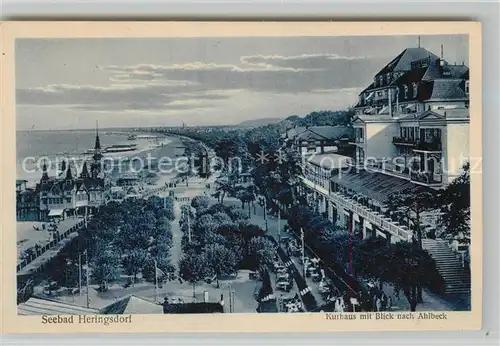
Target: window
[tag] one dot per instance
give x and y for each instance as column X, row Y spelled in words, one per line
column 68, row 199
column 415, row 89
column 388, row 76
column 406, row 91
column 381, row 80
column 466, row 87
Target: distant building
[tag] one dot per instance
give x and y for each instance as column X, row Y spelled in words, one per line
column 65, row 195
column 318, row 139
column 27, row 202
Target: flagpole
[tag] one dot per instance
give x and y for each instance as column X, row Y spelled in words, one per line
column 189, row 225
column 279, row 223
column 80, row 274
column 156, row 281
column 87, row 275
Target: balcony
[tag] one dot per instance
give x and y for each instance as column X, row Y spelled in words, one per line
column 372, row 216
column 357, row 140
column 389, row 168
column 403, row 141
column 434, row 145
column 427, row 178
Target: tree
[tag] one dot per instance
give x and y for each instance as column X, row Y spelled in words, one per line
column 105, row 268
column 455, row 206
column 192, row 268
column 403, row 264
column 410, row 268
column 220, row 260
column 223, row 186
column 262, row 252
column 408, row 206
column 133, row 262
column 200, row 202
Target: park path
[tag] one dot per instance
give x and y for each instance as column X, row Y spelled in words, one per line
column 176, row 250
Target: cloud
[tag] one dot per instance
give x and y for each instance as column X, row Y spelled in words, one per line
column 124, row 97
column 161, row 87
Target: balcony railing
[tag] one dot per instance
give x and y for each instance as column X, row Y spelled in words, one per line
column 426, row 177
column 403, row 141
column 372, row 216
column 428, row 145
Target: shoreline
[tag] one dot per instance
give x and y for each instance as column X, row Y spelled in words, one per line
column 145, row 146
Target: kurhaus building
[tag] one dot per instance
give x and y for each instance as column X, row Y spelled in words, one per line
column 411, row 133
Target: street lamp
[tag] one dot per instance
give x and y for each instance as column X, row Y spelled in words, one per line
column 303, row 254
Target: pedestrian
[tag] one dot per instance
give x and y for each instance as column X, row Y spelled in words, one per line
column 384, row 301
column 378, row 304
column 389, row 303
column 374, row 302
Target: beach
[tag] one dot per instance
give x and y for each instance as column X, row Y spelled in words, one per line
column 33, row 147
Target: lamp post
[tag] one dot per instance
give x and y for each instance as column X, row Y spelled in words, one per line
column 303, row 254
column 279, row 223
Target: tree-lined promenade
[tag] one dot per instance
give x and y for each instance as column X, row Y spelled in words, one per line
column 216, row 239
column 406, row 266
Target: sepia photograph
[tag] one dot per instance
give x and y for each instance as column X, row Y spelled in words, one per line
column 263, row 175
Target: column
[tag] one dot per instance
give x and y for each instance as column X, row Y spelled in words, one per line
column 353, row 222
column 363, row 226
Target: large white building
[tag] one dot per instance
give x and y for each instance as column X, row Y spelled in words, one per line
column 411, row 133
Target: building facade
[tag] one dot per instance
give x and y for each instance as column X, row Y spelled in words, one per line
column 410, row 133
column 68, row 194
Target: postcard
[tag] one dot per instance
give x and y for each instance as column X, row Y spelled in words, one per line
column 241, row 176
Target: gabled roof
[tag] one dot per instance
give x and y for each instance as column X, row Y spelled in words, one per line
column 325, row 132
column 329, row 161
column 403, row 61
column 428, row 114
column 132, row 305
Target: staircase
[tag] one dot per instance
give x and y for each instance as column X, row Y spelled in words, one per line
column 456, row 278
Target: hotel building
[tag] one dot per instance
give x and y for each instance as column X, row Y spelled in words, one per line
column 411, row 134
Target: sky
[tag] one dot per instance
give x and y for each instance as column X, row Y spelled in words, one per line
column 135, row 82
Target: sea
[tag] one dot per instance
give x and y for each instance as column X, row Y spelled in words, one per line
column 33, row 146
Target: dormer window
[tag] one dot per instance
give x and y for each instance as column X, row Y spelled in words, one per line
column 406, row 91
column 466, row 87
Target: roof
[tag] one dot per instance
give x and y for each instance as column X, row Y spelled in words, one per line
column 375, row 117
column 132, row 305
column 325, row 132
column 448, row 89
column 403, row 61
column 38, row 306
column 377, row 186
column 412, row 76
column 329, row 161
column 193, row 308
column 457, row 113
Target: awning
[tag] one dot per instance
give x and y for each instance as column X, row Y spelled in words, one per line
column 377, row 186
column 56, row 212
